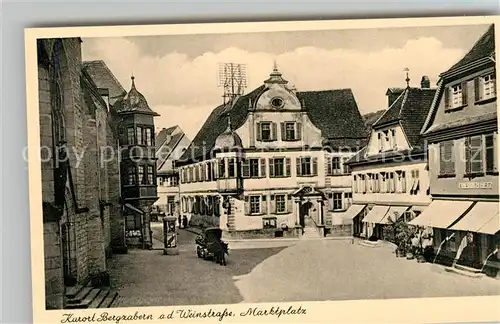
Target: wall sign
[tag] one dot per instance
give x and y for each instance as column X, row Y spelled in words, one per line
column 475, row 185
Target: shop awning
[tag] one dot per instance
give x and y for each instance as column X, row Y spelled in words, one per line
column 137, row 210
column 441, row 213
column 394, row 210
column 353, row 211
column 480, row 215
column 376, row 214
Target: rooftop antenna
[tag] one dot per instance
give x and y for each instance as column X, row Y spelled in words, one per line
column 407, row 77
column 233, row 78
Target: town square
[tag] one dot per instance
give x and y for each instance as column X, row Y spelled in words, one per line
column 311, row 166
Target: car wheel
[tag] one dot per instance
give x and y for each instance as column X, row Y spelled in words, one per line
column 198, row 252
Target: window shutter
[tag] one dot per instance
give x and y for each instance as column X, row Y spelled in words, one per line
column 271, row 167
column 259, row 131
column 299, row 169
column 477, row 150
column 263, row 167
column 263, row 205
column 283, row 131
column 467, row 155
column 288, row 169
column 465, row 100
column 477, row 89
column 298, row 131
column 379, row 136
column 329, row 166
column 274, row 132
column 315, row 166
column 355, row 184
column 273, row 205
column 247, row 205
column 245, row 170
column 447, row 103
column 289, row 204
column 403, row 182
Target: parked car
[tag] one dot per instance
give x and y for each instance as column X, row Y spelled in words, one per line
column 209, row 245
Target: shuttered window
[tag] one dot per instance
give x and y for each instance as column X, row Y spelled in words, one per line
column 266, row 131
column 307, row 166
column 490, row 148
column 474, row 154
column 279, row 167
column 222, row 168
column 355, row 184
column 446, row 158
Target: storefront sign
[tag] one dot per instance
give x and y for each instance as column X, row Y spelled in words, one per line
column 475, row 185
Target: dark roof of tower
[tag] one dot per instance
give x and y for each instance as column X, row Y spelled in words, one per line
column 133, row 102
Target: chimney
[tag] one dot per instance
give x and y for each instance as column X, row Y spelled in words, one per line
column 425, row 83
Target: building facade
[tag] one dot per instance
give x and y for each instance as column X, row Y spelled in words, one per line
column 390, row 174
column 133, row 122
column 461, row 130
column 272, row 162
column 78, row 188
column 171, row 143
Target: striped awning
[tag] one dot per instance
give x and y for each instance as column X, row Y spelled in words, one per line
column 353, row 211
column 394, row 213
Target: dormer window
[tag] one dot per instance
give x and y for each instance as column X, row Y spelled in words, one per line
column 291, row 131
column 485, row 87
column 455, row 96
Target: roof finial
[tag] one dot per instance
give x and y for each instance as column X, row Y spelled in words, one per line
column 133, row 78
column 407, row 77
column 275, row 66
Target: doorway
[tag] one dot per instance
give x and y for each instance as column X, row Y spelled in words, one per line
column 305, row 214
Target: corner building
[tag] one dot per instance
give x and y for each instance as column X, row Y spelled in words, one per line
column 462, row 135
column 271, row 163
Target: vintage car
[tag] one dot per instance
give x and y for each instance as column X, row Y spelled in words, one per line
column 210, row 243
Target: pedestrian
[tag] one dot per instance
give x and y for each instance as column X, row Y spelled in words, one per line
column 180, row 220
column 184, row 221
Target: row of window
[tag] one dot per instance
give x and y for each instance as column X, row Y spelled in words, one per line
column 258, row 205
column 171, row 181
column 267, row 131
column 387, row 182
column 335, row 165
column 456, row 96
column 250, row 168
column 140, row 174
column 140, row 135
column 209, row 205
column 480, row 155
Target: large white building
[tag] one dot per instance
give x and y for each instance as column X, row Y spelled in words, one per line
column 271, row 162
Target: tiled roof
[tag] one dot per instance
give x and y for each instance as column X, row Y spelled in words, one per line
column 133, row 102
column 410, row 109
column 162, row 136
column 361, row 156
column 484, row 47
column 334, row 112
column 90, row 93
column 104, row 78
column 166, row 150
column 372, row 117
column 394, row 90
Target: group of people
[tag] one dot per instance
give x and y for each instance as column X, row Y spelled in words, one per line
column 421, row 242
column 182, row 221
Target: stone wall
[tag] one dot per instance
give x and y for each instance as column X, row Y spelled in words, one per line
column 54, row 280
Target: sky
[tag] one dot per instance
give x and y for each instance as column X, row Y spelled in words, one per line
column 178, row 73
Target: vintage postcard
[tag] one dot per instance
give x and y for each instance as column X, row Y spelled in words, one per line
column 313, row 171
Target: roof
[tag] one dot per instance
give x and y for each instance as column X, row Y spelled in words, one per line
column 372, row 117
column 394, row 90
column 361, row 157
column 164, row 135
column 166, row 150
column 90, row 93
column 463, row 122
column 104, row 78
column 334, row 112
column 410, row 109
column 484, row 47
column 133, row 102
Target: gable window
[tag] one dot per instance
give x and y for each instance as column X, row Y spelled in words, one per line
column 455, row 96
column 307, row 166
column 131, row 175
column 446, row 158
column 266, row 131
column 393, row 139
column 290, row 131
column 333, row 166
column 130, row 136
column 485, row 87
column 279, row 167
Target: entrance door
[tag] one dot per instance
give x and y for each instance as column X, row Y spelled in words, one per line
column 305, row 217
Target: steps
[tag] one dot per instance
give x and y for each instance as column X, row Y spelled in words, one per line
column 310, row 233
column 367, row 243
column 81, row 297
column 465, row 271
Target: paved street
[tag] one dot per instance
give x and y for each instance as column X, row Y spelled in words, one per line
column 309, row 270
column 338, row 270
column 148, row 278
